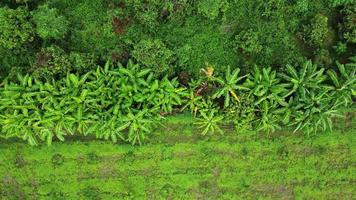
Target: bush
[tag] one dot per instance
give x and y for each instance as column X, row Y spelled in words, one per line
column 54, row 62
column 317, row 33
column 51, row 62
column 349, row 24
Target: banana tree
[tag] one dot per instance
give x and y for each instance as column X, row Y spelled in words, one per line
column 301, row 82
column 138, row 126
column 228, row 86
column 20, row 126
column 209, row 122
column 52, row 125
column 266, row 86
column 269, row 119
column 343, row 84
column 111, row 129
column 314, row 112
column 169, row 94
column 193, row 102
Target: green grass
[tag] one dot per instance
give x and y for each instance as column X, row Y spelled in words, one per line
column 178, row 163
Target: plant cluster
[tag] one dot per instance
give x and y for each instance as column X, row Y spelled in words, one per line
column 114, row 102
column 306, row 98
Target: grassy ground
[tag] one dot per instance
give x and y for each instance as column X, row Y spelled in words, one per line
column 178, row 163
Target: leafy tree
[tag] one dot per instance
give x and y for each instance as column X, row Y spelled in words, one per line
column 49, row 23
column 265, row 32
column 248, row 42
column 153, row 54
column 336, row 3
column 212, row 8
column 91, row 27
column 15, row 27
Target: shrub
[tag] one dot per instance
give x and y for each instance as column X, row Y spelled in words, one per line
column 54, row 62
column 51, row 62
column 349, row 24
column 317, row 33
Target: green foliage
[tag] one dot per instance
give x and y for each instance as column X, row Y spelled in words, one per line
column 153, row 54
column 196, row 42
column 15, row 27
column 54, row 62
column 148, row 14
column 336, row 3
column 91, row 27
column 49, row 23
column 256, row 42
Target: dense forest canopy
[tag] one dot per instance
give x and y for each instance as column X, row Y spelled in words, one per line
column 50, row 38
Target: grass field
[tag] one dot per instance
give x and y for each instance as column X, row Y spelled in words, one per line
column 178, row 163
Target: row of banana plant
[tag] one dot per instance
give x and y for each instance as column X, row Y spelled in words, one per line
column 125, row 103
column 114, row 102
column 306, row 98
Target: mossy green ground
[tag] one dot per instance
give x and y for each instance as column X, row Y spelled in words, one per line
column 179, row 163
